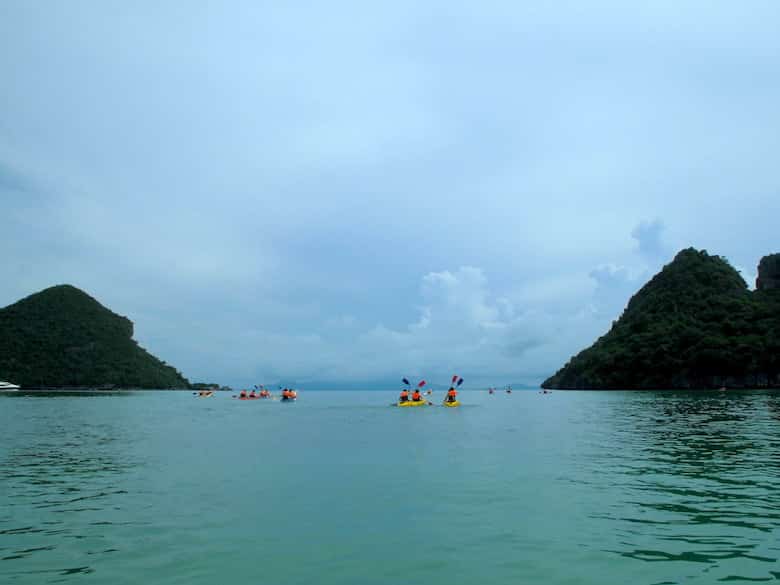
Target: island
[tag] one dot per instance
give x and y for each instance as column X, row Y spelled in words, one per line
column 694, row 325
column 61, row 337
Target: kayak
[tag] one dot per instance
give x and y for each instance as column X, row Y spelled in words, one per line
column 287, row 399
column 413, row 403
column 451, row 404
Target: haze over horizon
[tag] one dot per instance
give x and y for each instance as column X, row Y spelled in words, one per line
column 349, row 193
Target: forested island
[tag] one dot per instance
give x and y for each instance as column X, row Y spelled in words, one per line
column 695, row 324
column 62, row 337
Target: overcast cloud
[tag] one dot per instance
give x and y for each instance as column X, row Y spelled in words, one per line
column 345, row 193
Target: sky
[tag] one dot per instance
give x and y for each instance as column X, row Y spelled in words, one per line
column 340, row 194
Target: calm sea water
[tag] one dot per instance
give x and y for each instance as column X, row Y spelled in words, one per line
column 338, row 488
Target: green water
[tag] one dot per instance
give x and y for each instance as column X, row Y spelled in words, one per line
column 338, row 488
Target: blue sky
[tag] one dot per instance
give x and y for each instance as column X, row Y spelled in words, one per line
column 345, row 193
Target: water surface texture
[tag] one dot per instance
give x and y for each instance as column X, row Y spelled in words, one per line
column 572, row 487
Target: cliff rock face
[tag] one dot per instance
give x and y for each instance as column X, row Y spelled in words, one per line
column 694, row 325
column 768, row 273
column 61, row 336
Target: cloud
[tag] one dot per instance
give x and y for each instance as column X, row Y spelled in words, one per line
column 13, row 180
column 462, row 326
column 380, row 187
column 648, row 235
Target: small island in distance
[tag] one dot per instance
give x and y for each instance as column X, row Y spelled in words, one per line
column 695, row 324
column 61, row 337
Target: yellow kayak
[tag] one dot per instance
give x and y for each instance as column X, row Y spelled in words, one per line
column 451, row 404
column 413, row 403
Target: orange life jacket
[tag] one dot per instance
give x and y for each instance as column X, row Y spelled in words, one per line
column 452, row 392
column 416, row 395
column 404, row 394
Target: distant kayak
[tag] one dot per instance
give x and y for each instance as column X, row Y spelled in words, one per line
column 286, row 399
column 451, row 404
column 413, row 403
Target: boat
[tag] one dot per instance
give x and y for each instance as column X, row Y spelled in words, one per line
column 207, row 394
column 413, row 403
column 8, row 387
column 452, row 404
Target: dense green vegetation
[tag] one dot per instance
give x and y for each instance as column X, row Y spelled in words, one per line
column 62, row 337
column 694, row 325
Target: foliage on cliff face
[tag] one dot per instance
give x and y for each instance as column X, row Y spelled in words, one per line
column 694, row 325
column 63, row 337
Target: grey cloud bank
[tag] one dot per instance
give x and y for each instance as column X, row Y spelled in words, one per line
column 352, row 193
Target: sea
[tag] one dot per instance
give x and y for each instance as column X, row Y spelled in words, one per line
column 652, row 488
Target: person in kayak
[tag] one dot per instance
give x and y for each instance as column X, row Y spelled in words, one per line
column 243, row 394
column 285, row 394
column 416, row 396
column 292, row 394
column 252, row 394
column 404, row 397
column 452, row 394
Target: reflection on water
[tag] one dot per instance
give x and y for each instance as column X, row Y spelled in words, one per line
column 698, row 478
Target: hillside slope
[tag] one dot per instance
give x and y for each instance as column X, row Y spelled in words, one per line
column 63, row 337
column 695, row 324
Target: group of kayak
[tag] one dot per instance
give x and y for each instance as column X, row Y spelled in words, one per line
column 287, row 395
column 416, row 397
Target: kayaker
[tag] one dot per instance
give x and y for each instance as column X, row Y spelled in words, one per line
column 292, row 394
column 404, row 396
column 416, row 396
column 243, row 394
column 285, row 394
column 452, row 394
column 252, row 394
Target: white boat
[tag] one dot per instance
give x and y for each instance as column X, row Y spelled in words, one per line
column 8, row 387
